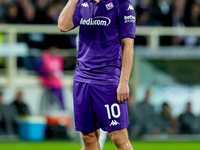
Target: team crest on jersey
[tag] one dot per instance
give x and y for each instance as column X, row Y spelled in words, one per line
column 85, row 4
column 109, row 6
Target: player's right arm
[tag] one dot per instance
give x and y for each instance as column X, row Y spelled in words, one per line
column 65, row 20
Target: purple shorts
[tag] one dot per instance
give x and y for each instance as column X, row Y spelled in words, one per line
column 95, row 106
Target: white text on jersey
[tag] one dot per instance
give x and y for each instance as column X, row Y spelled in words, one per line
column 99, row 21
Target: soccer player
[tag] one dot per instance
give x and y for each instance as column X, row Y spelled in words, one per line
column 105, row 54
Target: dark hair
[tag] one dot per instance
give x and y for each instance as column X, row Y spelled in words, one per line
column 165, row 104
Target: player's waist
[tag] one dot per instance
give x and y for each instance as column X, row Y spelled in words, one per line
column 102, row 79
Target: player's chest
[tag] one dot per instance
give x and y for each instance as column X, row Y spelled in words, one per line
column 102, row 14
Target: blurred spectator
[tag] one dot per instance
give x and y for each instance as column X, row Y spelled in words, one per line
column 149, row 12
column 165, row 123
column 156, row 9
column 11, row 15
column 50, row 70
column 177, row 13
column 175, row 18
column 22, row 4
column 144, row 4
column 159, row 11
column 192, row 18
column 21, row 109
column 54, row 10
column 19, row 104
column 2, row 9
column 192, row 13
column 143, row 117
column 41, row 9
column 29, row 14
column 8, row 118
column 142, row 16
column 187, row 120
column 41, row 5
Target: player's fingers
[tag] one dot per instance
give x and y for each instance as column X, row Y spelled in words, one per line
column 122, row 98
column 118, row 97
column 127, row 96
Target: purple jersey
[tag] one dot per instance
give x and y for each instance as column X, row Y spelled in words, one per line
column 102, row 26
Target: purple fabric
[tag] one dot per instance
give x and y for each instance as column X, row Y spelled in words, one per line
column 95, row 106
column 59, row 95
column 102, row 26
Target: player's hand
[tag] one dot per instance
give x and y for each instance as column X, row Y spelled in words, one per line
column 122, row 92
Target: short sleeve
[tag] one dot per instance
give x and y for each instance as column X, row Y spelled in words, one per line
column 76, row 16
column 127, row 20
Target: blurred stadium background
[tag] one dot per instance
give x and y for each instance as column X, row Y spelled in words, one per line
column 165, row 81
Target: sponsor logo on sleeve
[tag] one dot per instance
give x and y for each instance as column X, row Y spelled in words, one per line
column 129, row 18
column 109, row 6
column 98, row 21
column 85, row 4
column 130, row 7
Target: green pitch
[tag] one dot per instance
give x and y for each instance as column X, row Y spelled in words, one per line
column 52, row 145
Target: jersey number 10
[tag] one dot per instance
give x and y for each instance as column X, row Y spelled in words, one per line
column 113, row 113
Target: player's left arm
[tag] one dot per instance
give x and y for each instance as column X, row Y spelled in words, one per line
column 127, row 60
column 126, row 27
